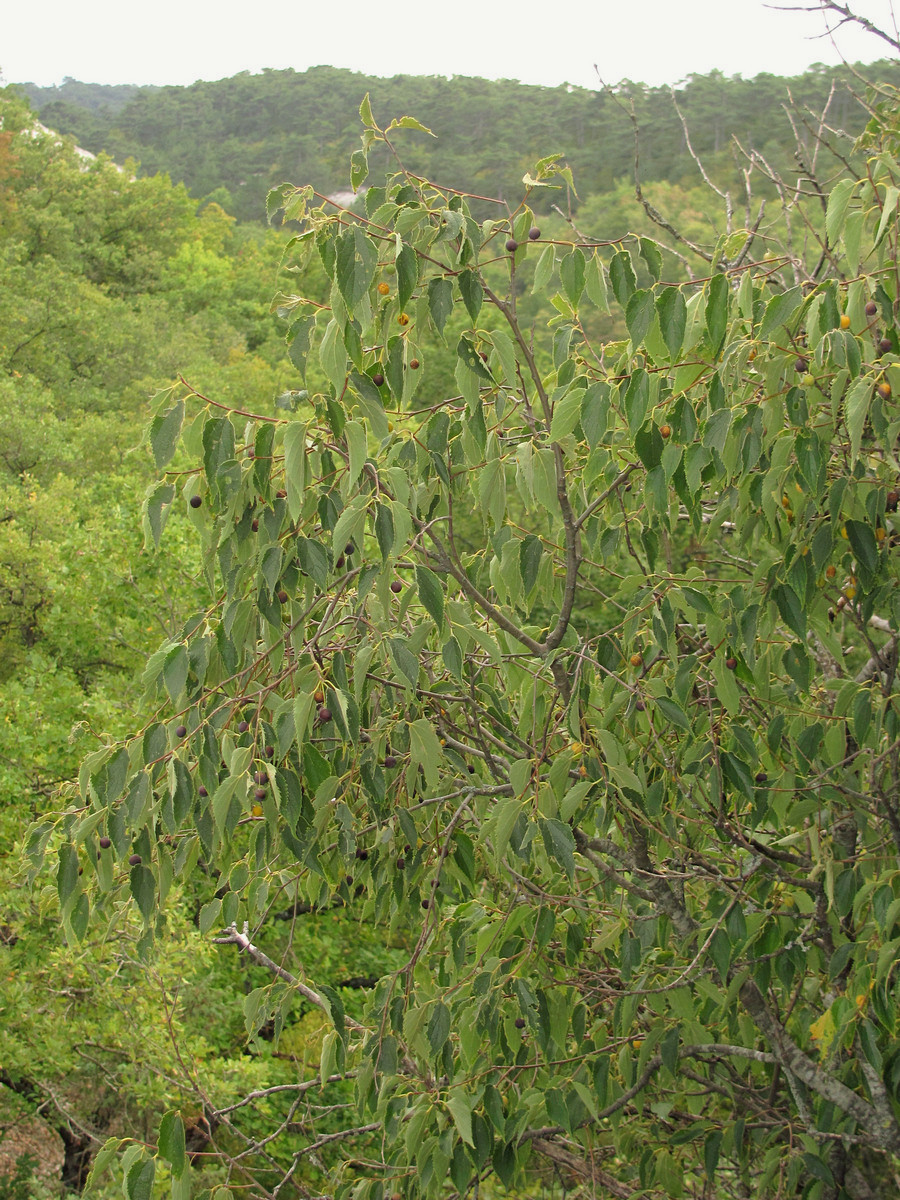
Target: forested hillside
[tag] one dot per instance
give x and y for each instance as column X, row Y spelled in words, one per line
column 251, row 132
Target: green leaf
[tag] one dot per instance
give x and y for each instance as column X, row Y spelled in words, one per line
column 431, row 593
column 333, row 355
column 672, row 313
column 472, row 359
column 531, row 548
column 440, row 301
column 865, row 549
column 673, row 713
column 406, row 662
column 452, row 656
column 652, row 256
column 716, row 312
column 595, row 282
column 313, row 561
column 295, row 475
column 838, row 203
column 142, row 882
column 790, row 608
column 355, row 434
column 856, row 409
column 365, row 113
column 471, row 291
column 156, row 509
column 544, row 269
column 461, row 1110
column 384, row 530
column 171, row 1142
column 407, row 275
column 438, row 1027
column 102, row 1159
column 67, row 873
column 639, row 316
column 560, row 843
column 218, row 450
column 621, row 277
column 140, row 1178
column 566, row 414
column 355, row 264
column 175, row 671
column 779, row 310
column 572, row 275
column 165, row 430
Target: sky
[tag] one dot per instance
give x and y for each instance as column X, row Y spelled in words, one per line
column 651, row 41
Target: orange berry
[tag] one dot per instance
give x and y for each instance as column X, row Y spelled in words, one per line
column 635, row 660
column 403, row 319
column 830, row 571
column 383, row 289
column 665, row 430
column 845, row 321
column 884, row 390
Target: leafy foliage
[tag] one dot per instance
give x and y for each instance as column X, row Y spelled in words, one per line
column 562, row 653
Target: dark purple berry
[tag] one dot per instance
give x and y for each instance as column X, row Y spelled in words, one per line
column 349, row 549
column 396, row 587
column 324, row 714
column 401, row 864
column 180, row 730
column 270, row 751
column 134, row 860
column 534, row 233
column 105, row 843
column 282, row 596
column 195, row 501
column 512, row 245
column 243, row 726
column 362, row 854
column 871, row 308
column 378, row 379
column 260, row 793
column 390, row 761
column 201, row 791
column 520, row 1022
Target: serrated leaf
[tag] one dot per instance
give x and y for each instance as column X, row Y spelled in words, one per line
column 790, row 608
column 566, row 414
column 384, row 530
column 438, row 1027
column 652, row 256
column 779, row 310
column 164, row 433
column 471, row 291
column 140, row 1178
column 572, row 274
column 856, row 409
column 560, row 843
column 295, row 475
column 355, row 434
column 622, row 277
column 171, row 1142
column 333, row 355
column 407, row 274
column 639, row 316
column 142, row 883
column 313, row 561
column 431, row 593
column 716, row 311
column 595, row 283
column 175, row 671
column 405, row 661
column 531, row 548
column 672, row 712
column 440, row 302
column 472, row 359
column 672, row 313
column 365, row 113
column 544, row 269
column 865, row 549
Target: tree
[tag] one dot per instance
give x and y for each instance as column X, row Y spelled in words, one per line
column 574, row 678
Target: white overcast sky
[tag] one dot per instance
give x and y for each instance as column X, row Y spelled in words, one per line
column 652, row 41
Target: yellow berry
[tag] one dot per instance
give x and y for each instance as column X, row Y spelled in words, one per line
column 403, row 319
column 880, row 533
column 257, row 810
column 831, row 571
column 850, row 591
column 383, row 289
column 635, row 660
column 844, row 533
column 845, row 321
